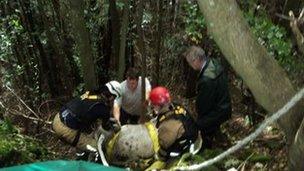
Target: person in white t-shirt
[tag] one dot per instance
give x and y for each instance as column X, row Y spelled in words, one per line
column 127, row 109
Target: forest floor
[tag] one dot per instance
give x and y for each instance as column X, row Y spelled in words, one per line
column 267, row 152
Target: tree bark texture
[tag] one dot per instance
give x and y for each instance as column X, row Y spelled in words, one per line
column 123, row 40
column 81, row 35
column 115, row 28
column 141, row 49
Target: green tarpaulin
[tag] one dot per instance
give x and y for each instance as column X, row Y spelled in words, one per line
column 61, row 165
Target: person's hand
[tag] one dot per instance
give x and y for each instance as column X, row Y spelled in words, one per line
column 115, row 124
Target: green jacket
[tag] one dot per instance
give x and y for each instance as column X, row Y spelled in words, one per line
column 213, row 100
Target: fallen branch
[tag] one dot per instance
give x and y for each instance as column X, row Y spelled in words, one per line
column 283, row 16
column 47, row 102
column 249, row 138
column 19, row 98
column 17, row 113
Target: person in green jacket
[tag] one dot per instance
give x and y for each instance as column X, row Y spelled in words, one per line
column 213, row 103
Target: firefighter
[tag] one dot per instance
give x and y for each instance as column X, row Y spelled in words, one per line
column 74, row 122
column 176, row 128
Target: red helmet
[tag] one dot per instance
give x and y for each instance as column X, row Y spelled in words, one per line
column 159, row 96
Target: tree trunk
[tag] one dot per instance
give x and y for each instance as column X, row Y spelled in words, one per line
column 158, row 42
column 66, row 41
column 41, row 59
column 123, row 40
column 115, row 27
column 265, row 78
column 58, row 60
column 141, row 48
column 81, row 35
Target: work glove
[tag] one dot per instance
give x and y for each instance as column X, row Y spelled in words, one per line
column 157, row 165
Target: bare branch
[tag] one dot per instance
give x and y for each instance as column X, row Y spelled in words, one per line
column 283, row 16
column 17, row 113
column 296, row 31
column 19, row 98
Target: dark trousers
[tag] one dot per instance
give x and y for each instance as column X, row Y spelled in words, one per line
column 208, row 135
column 213, row 137
column 127, row 118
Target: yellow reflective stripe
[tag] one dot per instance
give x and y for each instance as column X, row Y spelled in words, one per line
column 162, row 118
column 154, row 136
column 110, row 146
column 180, row 110
column 93, row 97
column 85, row 95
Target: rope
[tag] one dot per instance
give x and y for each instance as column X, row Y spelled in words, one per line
column 249, row 138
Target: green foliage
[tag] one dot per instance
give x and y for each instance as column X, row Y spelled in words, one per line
column 16, row 148
column 6, row 127
column 274, row 38
column 195, row 24
column 232, row 162
column 260, row 158
column 79, row 90
column 174, row 47
column 12, row 56
column 6, row 52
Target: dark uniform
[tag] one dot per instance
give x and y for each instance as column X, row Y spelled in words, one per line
column 176, row 131
column 213, row 100
column 74, row 121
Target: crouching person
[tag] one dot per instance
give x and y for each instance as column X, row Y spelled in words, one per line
column 176, row 128
column 74, row 122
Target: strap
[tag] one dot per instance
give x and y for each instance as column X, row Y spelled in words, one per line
column 154, row 136
column 76, row 139
column 110, row 146
column 174, row 111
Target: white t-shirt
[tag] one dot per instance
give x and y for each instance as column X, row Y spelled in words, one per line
column 131, row 101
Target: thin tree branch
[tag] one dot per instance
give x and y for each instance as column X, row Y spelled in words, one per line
column 296, row 31
column 1, row 104
column 19, row 98
column 17, row 113
column 283, row 16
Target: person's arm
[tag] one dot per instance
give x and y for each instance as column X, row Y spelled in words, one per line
column 148, row 88
column 116, row 110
